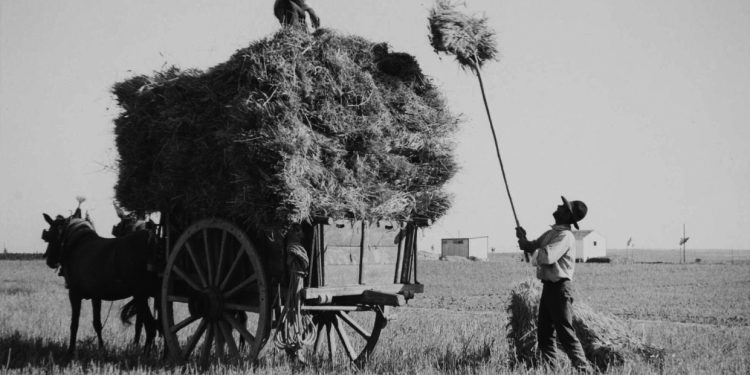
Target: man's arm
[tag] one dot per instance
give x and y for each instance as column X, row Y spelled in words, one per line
column 313, row 17
column 525, row 244
column 553, row 251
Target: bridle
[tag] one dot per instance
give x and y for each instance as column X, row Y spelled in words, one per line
column 54, row 238
column 72, row 230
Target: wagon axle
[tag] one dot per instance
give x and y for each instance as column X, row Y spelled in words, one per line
column 207, row 303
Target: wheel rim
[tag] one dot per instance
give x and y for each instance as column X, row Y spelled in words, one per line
column 215, row 300
column 348, row 335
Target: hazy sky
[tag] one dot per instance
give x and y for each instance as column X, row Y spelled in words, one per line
column 639, row 108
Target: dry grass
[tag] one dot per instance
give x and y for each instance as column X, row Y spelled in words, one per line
column 466, row 37
column 456, row 327
column 293, row 126
column 606, row 339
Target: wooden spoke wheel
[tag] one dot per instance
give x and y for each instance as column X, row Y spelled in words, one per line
column 350, row 335
column 215, row 296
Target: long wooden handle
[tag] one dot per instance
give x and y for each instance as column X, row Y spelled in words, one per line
column 497, row 150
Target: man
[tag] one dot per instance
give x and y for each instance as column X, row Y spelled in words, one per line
column 292, row 12
column 553, row 253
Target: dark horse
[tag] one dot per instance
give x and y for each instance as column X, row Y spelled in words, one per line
column 100, row 269
column 131, row 223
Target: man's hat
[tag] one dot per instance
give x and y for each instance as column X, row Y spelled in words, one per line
column 578, row 210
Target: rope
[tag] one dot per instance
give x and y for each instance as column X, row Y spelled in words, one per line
column 295, row 330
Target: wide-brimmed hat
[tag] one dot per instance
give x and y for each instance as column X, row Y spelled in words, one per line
column 578, row 210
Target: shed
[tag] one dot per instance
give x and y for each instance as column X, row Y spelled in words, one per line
column 465, row 247
column 589, row 244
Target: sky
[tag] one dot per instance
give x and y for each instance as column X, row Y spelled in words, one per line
column 641, row 109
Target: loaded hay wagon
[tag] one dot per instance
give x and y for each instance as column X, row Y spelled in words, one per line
column 254, row 162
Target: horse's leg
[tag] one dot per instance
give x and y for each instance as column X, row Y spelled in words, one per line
column 138, row 327
column 160, row 324
column 96, row 308
column 242, row 317
column 148, row 322
column 75, row 307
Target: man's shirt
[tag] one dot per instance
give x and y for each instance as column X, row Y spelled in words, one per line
column 554, row 256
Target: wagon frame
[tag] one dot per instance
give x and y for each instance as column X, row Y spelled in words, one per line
column 215, row 274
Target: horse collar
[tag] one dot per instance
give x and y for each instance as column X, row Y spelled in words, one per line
column 74, row 231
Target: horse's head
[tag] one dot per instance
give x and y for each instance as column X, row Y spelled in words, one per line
column 131, row 223
column 124, row 227
column 53, row 237
column 62, row 234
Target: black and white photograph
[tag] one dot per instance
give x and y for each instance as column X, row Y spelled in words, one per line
column 374, row 187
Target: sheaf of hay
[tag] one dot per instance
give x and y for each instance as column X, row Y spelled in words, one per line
column 606, row 339
column 467, row 37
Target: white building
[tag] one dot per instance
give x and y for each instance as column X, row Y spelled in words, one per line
column 464, row 247
column 589, row 244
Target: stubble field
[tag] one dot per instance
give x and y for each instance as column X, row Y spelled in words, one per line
column 699, row 312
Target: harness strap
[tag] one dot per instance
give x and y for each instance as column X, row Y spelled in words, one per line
column 74, row 231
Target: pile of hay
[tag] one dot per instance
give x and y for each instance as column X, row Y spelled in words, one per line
column 606, row 339
column 468, row 38
column 293, row 126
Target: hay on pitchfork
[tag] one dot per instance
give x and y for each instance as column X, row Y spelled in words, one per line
column 294, row 126
column 606, row 339
column 468, row 38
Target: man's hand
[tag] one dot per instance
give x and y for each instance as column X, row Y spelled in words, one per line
column 523, row 243
column 520, row 233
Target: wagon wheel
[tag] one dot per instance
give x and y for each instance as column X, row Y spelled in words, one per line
column 350, row 333
column 215, row 295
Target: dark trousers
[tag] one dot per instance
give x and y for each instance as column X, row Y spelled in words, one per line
column 556, row 317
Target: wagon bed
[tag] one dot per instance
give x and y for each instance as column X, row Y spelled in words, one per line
column 223, row 295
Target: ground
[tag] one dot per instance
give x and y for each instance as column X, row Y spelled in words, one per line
column 699, row 312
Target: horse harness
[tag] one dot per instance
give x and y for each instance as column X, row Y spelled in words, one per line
column 73, row 232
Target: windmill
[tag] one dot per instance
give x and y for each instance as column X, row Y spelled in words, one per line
column 683, row 241
column 628, row 246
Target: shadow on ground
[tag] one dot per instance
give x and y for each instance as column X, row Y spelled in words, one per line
column 18, row 351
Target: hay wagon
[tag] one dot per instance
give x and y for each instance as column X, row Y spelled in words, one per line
column 295, row 128
column 224, row 290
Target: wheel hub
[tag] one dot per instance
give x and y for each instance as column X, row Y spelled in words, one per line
column 207, row 303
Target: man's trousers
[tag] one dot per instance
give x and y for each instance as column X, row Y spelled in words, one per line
column 556, row 319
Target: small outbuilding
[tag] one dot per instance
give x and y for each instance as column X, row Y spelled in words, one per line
column 465, row 247
column 589, row 244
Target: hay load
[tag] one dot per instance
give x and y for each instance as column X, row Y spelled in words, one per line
column 606, row 339
column 293, row 126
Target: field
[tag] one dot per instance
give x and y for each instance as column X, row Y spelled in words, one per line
column 699, row 312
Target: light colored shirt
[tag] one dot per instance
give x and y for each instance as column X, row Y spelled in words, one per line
column 554, row 256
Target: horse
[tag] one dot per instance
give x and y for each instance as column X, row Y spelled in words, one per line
column 131, row 223
column 100, row 269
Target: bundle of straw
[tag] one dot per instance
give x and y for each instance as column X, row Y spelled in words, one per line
column 606, row 339
column 468, row 38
